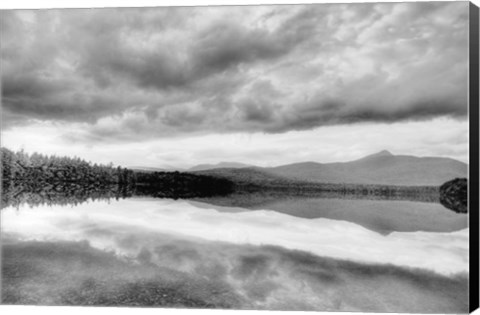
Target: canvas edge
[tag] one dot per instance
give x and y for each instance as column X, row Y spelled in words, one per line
column 473, row 152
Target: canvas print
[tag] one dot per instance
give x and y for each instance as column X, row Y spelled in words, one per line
column 305, row 157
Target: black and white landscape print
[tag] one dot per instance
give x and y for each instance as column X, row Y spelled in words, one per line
column 276, row 157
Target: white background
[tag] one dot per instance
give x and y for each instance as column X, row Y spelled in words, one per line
column 26, row 4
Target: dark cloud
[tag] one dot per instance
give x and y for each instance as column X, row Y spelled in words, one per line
column 225, row 45
column 137, row 73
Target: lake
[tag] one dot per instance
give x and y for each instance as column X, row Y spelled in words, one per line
column 240, row 251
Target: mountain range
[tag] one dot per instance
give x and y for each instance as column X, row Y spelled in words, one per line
column 382, row 168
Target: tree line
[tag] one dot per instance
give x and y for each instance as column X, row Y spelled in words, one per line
column 21, row 166
column 45, row 179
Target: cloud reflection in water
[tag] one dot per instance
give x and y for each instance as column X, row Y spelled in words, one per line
column 109, row 226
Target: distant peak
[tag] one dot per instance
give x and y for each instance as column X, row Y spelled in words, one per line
column 381, row 153
column 384, row 153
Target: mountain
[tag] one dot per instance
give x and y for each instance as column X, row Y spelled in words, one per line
column 380, row 168
column 203, row 167
column 155, row 169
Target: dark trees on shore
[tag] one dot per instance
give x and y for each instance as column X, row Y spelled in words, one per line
column 23, row 167
column 38, row 177
column 454, row 195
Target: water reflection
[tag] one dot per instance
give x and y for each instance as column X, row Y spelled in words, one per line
column 377, row 215
column 34, row 194
column 184, row 273
column 16, row 194
column 404, row 211
column 136, row 220
column 248, row 251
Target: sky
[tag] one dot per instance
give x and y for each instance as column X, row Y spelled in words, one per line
column 263, row 85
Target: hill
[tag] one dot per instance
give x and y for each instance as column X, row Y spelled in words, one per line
column 248, row 176
column 203, row 167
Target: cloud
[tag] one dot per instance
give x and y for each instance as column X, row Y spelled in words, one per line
column 131, row 74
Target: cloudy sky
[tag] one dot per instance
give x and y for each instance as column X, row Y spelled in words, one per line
column 265, row 85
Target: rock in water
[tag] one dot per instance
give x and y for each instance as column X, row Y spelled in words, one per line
column 454, row 195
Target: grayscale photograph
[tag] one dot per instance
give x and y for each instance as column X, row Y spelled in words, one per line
column 303, row 157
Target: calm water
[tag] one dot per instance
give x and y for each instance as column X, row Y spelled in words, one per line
column 238, row 252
